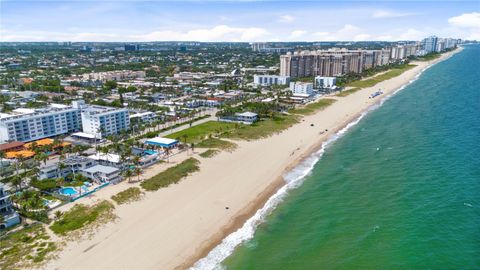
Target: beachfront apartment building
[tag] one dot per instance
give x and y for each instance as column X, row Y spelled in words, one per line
column 26, row 125
column 333, row 62
column 267, row 80
column 325, row 82
column 400, row 52
column 430, row 44
column 301, row 89
column 102, row 121
column 9, row 216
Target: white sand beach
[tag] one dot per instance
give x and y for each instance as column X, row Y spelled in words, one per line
column 174, row 227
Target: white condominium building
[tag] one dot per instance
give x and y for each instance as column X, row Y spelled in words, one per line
column 27, row 125
column 301, row 89
column 267, row 80
column 103, row 121
column 32, row 124
column 325, row 82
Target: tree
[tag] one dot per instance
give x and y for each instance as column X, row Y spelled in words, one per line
column 16, row 180
column 2, row 156
column 58, row 214
column 109, row 85
column 128, row 174
column 137, row 171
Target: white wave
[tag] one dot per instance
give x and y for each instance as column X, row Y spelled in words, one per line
column 293, row 179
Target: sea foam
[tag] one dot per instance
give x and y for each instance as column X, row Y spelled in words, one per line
column 293, row 179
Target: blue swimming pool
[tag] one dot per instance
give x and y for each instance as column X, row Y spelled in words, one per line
column 150, row 152
column 68, row 191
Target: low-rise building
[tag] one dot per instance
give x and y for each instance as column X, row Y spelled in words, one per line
column 9, row 216
column 267, row 80
column 301, row 89
column 244, row 117
column 145, row 117
column 325, row 82
column 162, row 142
column 102, row 174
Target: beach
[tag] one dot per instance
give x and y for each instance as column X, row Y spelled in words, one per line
column 174, row 227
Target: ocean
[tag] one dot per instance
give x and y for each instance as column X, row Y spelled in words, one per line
column 397, row 189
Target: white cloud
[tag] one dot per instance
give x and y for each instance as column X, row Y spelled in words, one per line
column 217, row 33
column 467, row 20
column 390, row 14
column 384, row 38
column 361, row 37
column 468, row 24
column 412, row 34
column 286, row 18
column 295, row 35
column 348, row 28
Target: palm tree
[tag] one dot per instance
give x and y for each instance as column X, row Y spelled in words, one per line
column 128, row 174
column 58, row 214
column 61, row 167
column 105, row 151
column 137, row 171
column 19, row 161
column 16, row 180
column 2, row 156
column 167, row 153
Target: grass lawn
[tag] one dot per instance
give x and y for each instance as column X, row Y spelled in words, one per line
column 25, row 248
column 200, row 132
column 172, row 175
column 260, row 129
column 380, row 78
column 429, row 57
column 263, row 128
column 216, row 143
column 374, row 80
column 127, row 196
column 81, row 215
column 347, row 92
column 209, row 153
column 313, row 107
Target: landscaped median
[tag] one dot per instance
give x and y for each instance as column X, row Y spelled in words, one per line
column 171, row 175
column 360, row 84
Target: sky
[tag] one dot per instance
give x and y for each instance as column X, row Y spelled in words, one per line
column 229, row 20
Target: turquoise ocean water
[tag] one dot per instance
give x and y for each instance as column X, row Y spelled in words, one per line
column 400, row 189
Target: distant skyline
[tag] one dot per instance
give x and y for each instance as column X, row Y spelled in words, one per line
column 134, row 20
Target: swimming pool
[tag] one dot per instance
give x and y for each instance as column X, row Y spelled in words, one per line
column 68, row 191
column 150, row 152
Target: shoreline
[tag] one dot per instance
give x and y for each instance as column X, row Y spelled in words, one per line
column 191, row 263
column 192, row 219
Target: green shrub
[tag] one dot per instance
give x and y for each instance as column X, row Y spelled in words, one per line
column 127, row 196
column 81, row 215
column 172, row 175
column 209, row 153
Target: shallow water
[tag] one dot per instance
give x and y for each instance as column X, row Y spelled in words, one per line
column 401, row 189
